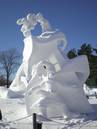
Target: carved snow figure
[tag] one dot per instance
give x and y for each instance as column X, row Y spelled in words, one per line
column 52, row 83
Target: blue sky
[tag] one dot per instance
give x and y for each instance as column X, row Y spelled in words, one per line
column 76, row 18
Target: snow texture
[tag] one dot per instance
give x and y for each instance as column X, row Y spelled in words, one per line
column 51, row 83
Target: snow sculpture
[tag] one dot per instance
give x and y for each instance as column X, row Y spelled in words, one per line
column 51, row 83
column 28, row 23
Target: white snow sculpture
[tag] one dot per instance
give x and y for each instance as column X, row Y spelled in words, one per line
column 28, row 23
column 51, row 82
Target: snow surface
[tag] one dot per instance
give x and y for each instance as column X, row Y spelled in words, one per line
column 90, row 91
column 46, row 86
column 46, row 83
column 50, row 82
column 15, row 116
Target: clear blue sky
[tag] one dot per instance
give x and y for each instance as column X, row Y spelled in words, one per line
column 76, row 18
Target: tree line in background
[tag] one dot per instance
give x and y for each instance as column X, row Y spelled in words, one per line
column 91, row 53
column 9, row 60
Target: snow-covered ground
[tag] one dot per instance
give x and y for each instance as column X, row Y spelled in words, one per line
column 15, row 116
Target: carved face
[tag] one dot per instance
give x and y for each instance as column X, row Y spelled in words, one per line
column 44, row 68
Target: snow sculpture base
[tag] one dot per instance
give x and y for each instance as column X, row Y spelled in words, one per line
column 52, row 84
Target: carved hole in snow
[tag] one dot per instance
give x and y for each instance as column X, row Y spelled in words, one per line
column 44, row 67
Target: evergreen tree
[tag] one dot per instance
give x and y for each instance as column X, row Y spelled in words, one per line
column 72, row 53
column 88, row 50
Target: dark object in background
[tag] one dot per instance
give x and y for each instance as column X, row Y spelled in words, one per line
column 0, row 115
column 87, row 96
column 39, row 125
column 36, row 125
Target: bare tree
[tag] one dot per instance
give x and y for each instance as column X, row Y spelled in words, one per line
column 9, row 60
column 2, row 80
